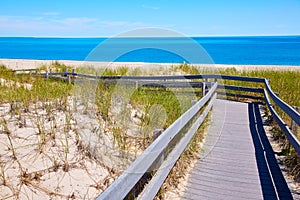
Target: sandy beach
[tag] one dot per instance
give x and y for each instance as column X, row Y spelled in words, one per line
column 18, row 64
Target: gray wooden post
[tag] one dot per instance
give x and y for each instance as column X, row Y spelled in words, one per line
column 46, row 73
column 68, row 75
column 294, row 125
column 293, row 128
column 72, row 75
column 157, row 133
column 136, row 84
column 194, row 101
column 203, row 89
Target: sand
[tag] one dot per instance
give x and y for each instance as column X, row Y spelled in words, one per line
column 18, row 64
column 53, row 152
column 55, row 167
column 43, row 172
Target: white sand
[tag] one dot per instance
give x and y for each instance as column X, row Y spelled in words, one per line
column 78, row 158
column 33, row 64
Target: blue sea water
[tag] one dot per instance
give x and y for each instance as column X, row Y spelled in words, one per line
column 264, row 50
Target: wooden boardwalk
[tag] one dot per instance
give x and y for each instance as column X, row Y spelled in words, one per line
column 237, row 161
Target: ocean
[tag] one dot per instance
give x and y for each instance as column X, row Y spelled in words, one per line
column 252, row 50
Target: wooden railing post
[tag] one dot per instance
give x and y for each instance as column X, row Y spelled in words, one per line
column 68, row 75
column 136, row 84
column 156, row 133
column 193, row 102
column 73, row 76
column 294, row 126
column 203, row 88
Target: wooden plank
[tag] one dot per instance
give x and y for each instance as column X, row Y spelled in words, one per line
column 238, row 163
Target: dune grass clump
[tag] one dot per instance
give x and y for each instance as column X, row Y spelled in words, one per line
column 133, row 114
column 39, row 144
column 102, row 71
column 169, row 100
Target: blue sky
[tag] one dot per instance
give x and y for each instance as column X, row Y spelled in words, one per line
column 103, row 18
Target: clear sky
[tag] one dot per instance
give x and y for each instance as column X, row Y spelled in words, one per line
column 102, row 18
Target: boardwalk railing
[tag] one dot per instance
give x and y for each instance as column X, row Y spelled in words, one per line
column 157, row 151
column 163, row 153
column 288, row 110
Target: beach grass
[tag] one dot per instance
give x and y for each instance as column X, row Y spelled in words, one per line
column 160, row 106
column 28, row 88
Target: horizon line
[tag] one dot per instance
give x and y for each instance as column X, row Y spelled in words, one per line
column 194, row 36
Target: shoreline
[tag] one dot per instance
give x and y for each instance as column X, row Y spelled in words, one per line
column 17, row 64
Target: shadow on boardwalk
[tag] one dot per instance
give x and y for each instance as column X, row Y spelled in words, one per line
column 272, row 181
column 237, row 161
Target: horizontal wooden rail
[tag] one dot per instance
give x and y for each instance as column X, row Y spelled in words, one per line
column 284, row 106
column 122, row 186
column 284, row 127
column 241, row 88
column 226, row 94
column 178, row 77
column 156, row 182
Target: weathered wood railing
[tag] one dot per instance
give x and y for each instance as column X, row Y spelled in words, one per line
column 164, row 81
column 156, row 154
column 156, row 158
column 288, row 110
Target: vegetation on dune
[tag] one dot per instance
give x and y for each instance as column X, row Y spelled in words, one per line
column 26, row 88
column 167, row 99
column 160, row 107
column 37, row 131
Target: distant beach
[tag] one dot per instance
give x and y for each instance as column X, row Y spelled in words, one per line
column 17, row 64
